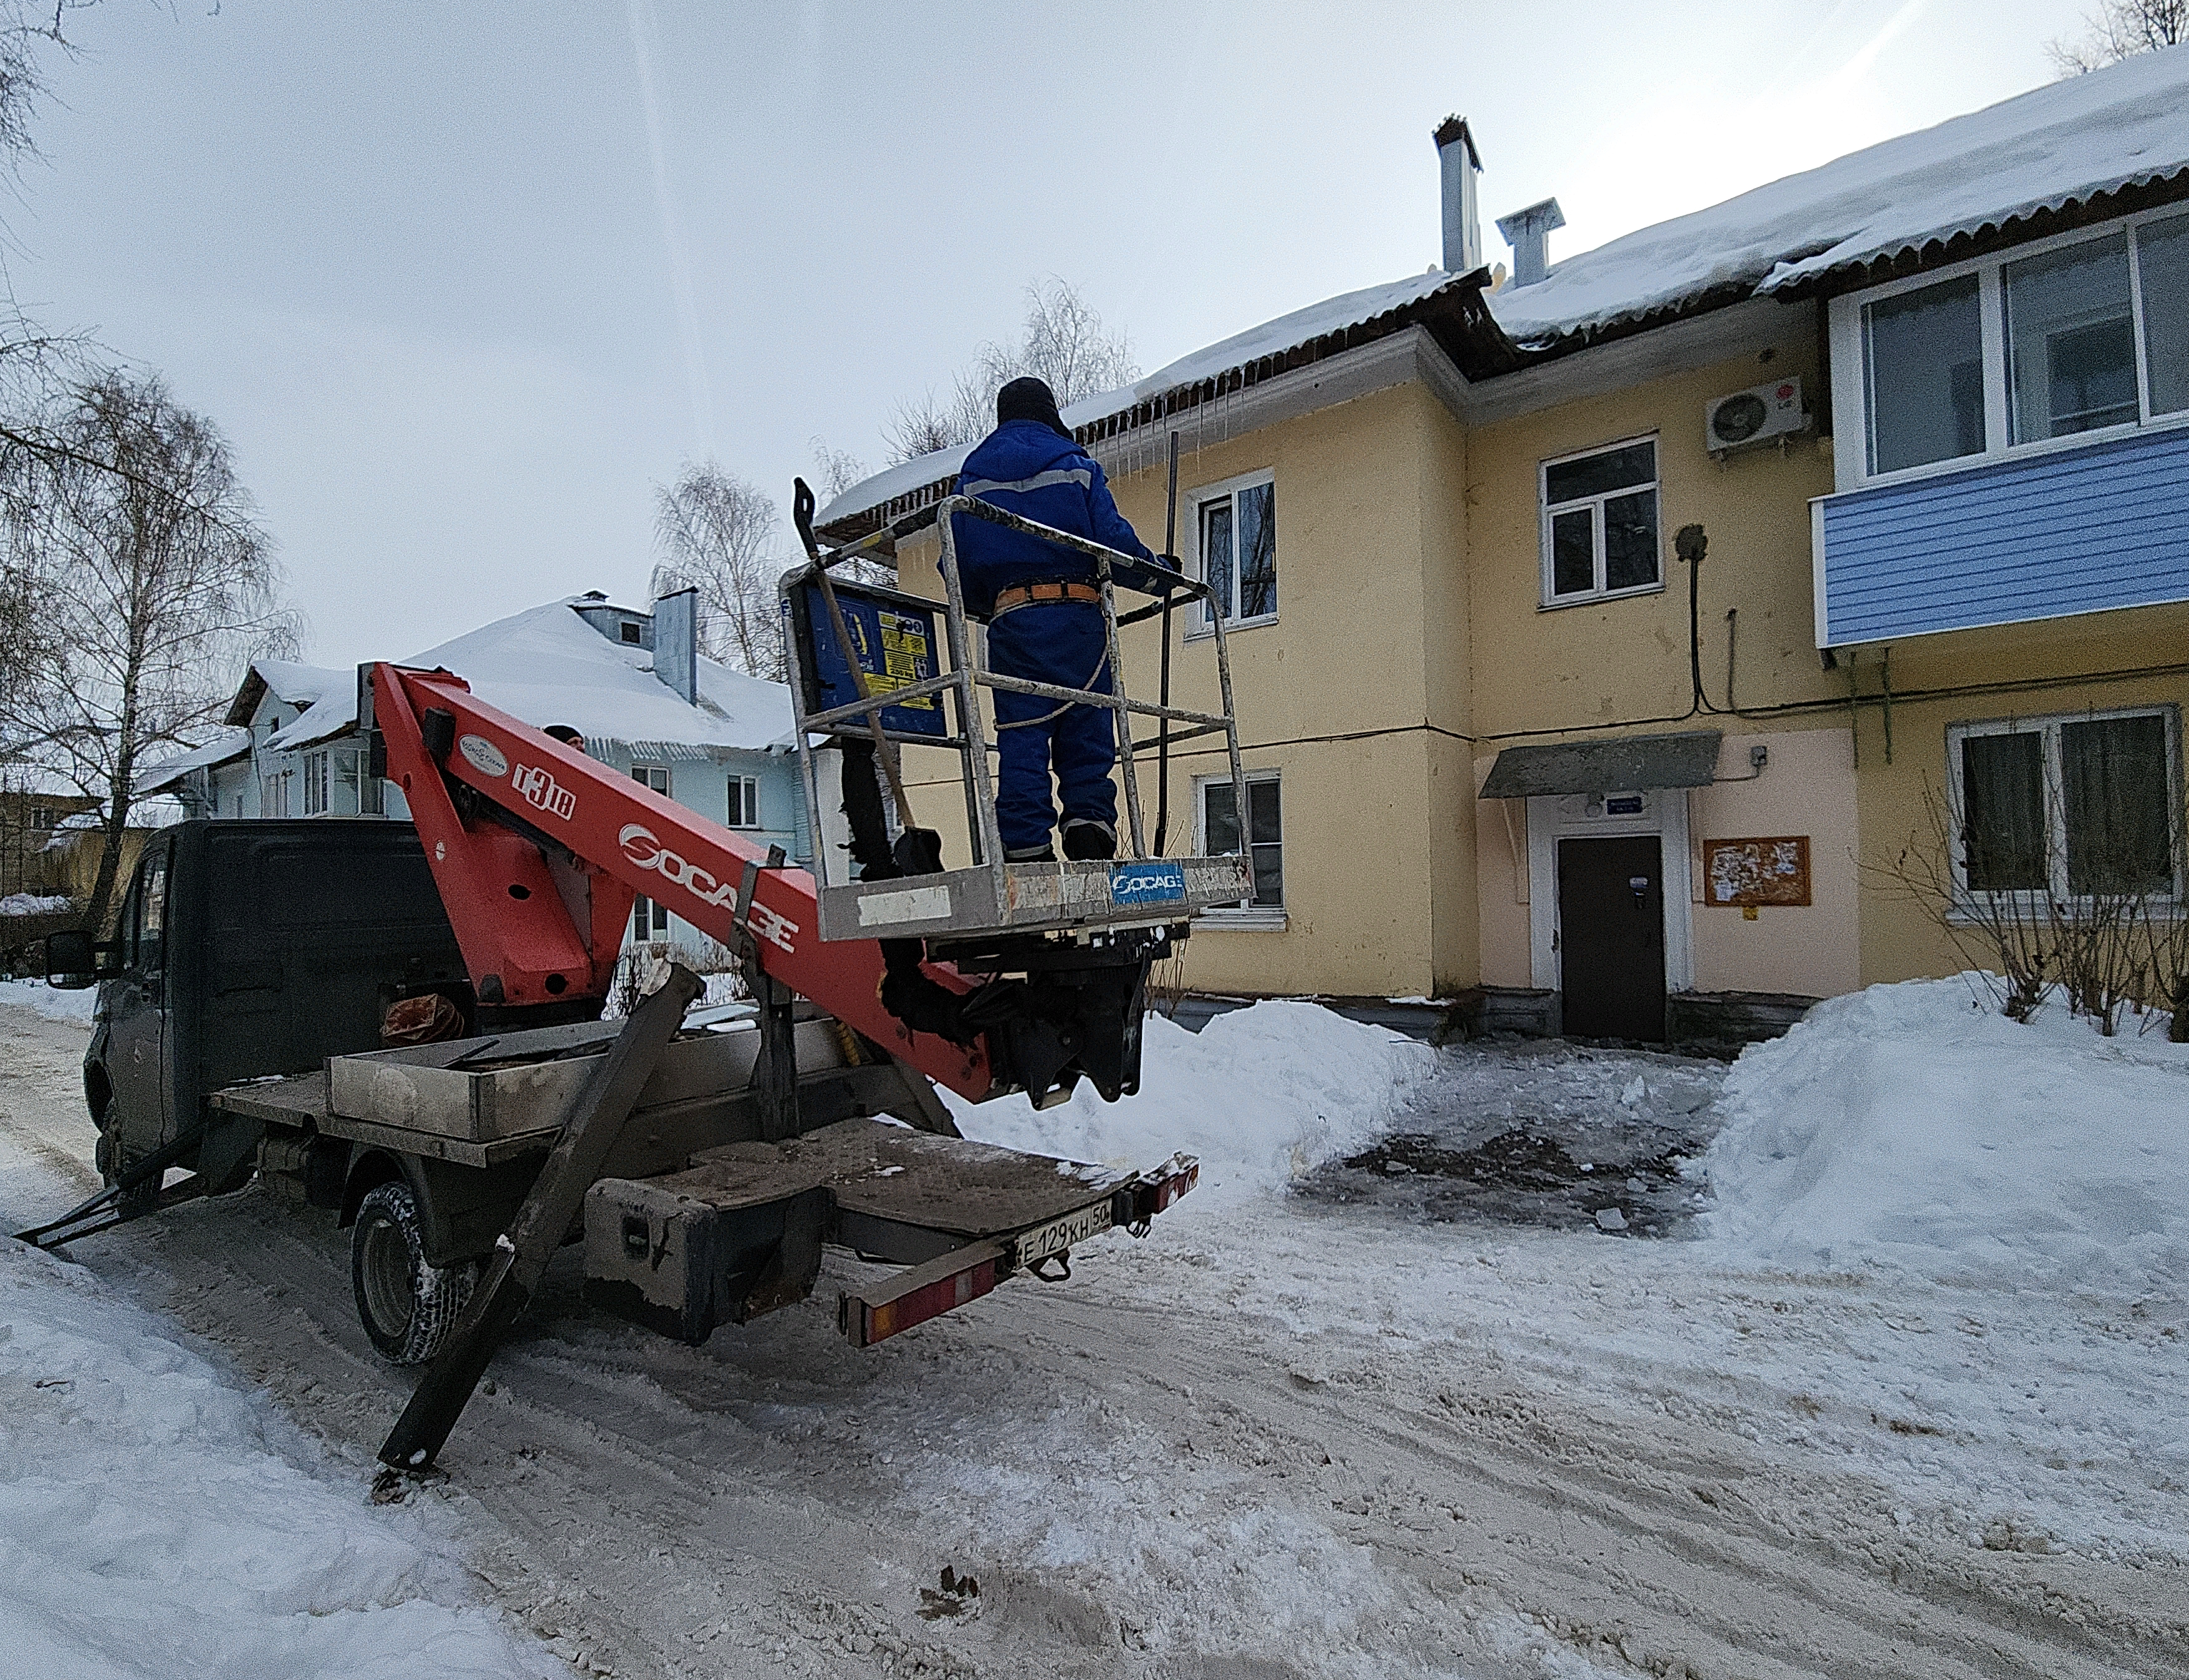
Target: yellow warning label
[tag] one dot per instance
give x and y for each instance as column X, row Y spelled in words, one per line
column 905, row 659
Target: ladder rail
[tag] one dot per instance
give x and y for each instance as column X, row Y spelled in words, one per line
column 967, row 674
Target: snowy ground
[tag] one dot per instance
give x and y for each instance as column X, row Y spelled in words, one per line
column 1332, row 1419
column 158, row 1519
column 41, row 999
column 160, row 1516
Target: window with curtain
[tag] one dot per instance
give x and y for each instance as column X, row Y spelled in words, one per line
column 2073, row 806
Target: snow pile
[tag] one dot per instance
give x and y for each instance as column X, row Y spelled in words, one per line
column 1260, row 1095
column 1915, row 1125
column 148, row 1526
column 32, row 904
column 40, row 999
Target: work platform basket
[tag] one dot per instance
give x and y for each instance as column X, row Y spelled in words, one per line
column 872, row 663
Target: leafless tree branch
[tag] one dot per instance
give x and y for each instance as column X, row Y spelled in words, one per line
column 2117, row 29
column 1061, row 341
column 715, row 533
column 150, row 578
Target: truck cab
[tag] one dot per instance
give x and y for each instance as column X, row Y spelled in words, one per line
column 246, row 949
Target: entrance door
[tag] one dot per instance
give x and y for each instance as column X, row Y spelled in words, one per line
column 1611, row 936
column 136, row 1007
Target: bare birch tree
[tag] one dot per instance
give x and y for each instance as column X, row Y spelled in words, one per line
column 715, row 533
column 1061, row 341
column 835, row 471
column 155, row 580
column 2117, row 29
column 31, row 359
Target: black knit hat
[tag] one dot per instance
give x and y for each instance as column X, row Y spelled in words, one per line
column 1029, row 398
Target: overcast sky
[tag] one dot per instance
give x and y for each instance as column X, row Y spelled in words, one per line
column 461, row 282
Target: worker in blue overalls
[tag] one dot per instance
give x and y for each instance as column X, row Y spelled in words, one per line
column 1045, row 620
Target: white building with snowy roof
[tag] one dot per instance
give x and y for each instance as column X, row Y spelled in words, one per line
column 1605, row 636
column 710, row 738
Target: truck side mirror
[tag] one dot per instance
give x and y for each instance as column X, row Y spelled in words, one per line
column 72, row 959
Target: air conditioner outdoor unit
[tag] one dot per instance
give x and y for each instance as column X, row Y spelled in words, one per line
column 1753, row 416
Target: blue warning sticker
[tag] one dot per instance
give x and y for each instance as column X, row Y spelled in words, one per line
column 1151, row 883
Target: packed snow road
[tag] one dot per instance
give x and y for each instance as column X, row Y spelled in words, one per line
column 1365, row 1430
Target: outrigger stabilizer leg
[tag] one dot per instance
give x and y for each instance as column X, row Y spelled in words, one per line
column 127, row 1198
column 590, row 1130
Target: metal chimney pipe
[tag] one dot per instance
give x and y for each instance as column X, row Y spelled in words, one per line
column 676, row 643
column 1528, row 233
column 1459, row 164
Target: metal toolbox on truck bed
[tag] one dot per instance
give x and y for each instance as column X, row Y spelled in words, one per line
column 481, row 1090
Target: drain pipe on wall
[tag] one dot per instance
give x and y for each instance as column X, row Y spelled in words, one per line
column 1691, row 544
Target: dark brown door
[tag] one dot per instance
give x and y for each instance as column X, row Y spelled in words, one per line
column 1611, row 936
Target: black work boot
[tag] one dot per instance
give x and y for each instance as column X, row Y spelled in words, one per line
column 1083, row 842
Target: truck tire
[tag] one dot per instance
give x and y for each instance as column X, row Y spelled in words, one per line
column 407, row 1305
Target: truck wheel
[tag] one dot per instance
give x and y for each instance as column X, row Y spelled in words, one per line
column 408, row 1306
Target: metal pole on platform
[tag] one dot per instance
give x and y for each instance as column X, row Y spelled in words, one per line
column 1162, row 733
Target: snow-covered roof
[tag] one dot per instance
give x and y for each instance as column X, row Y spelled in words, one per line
column 143, row 813
column 1271, row 338
column 2071, row 141
column 229, row 743
column 293, row 684
column 548, row 666
column 2066, row 142
column 19, row 777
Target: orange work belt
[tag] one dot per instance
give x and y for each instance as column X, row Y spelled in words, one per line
column 1034, row 594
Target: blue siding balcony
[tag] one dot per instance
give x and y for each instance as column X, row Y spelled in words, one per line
column 2072, row 530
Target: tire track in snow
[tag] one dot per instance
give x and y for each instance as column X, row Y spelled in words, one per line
column 760, row 1505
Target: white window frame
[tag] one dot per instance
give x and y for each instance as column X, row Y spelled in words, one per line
column 747, row 789
column 655, row 912
column 1850, row 359
column 2048, row 726
column 1200, row 623
column 316, row 789
column 1545, row 509
column 1251, row 918
column 356, row 771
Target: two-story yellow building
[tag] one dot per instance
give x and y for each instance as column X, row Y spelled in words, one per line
column 1604, row 635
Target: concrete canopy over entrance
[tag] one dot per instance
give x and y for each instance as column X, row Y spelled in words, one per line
column 1688, row 760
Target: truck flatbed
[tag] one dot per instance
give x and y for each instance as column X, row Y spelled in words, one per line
column 681, row 1230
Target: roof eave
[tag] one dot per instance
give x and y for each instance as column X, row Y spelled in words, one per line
column 1454, row 313
column 2078, row 211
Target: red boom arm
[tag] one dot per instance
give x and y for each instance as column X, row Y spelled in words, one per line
column 523, row 945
